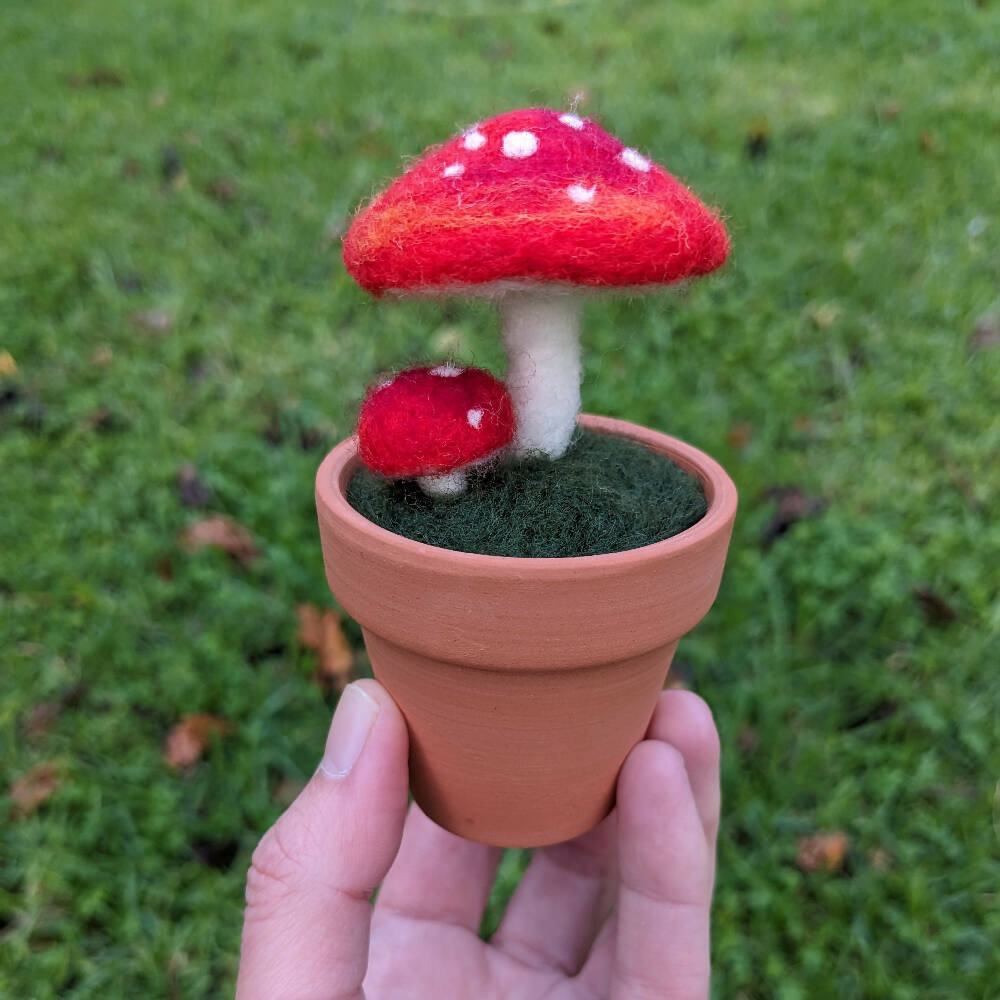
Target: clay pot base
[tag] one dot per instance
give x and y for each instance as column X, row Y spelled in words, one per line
column 524, row 682
column 607, row 494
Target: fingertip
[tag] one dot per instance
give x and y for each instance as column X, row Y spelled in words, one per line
column 685, row 720
column 381, row 775
column 388, row 708
column 652, row 770
column 389, row 736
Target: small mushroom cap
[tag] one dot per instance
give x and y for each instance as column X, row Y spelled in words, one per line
column 528, row 197
column 432, row 420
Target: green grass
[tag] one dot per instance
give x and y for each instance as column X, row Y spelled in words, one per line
column 197, row 162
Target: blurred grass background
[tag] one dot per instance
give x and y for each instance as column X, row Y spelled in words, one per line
column 174, row 179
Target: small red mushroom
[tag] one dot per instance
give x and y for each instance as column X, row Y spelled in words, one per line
column 434, row 423
column 525, row 209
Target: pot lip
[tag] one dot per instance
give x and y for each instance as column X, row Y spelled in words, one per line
column 340, row 464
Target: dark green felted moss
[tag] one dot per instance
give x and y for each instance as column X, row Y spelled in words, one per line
column 605, row 495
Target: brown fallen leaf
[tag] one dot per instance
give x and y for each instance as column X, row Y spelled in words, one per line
column 154, row 320
column 321, row 631
column 310, row 619
column 43, row 716
column 794, row 504
column 985, row 334
column 187, row 741
column 102, row 419
column 880, row 859
column 747, row 741
column 823, row 852
column 33, row 787
column 102, row 356
column 8, row 366
column 191, row 489
column 41, row 719
column 937, row 611
column 99, row 76
column 223, row 189
column 220, row 532
column 824, row 315
column 740, row 434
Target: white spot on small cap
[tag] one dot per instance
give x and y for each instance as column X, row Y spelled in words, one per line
column 573, row 121
column 475, row 418
column 580, row 194
column 474, row 139
column 634, row 159
column 447, row 371
column 453, row 170
column 518, row 145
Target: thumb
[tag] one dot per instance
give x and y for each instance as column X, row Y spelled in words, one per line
column 305, row 932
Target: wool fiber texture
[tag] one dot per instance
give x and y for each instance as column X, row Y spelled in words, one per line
column 604, row 495
column 542, row 340
column 533, row 196
column 432, row 420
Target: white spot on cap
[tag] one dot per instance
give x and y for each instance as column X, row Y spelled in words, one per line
column 475, row 418
column 573, row 121
column 580, row 194
column 453, row 170
column 447, row 371
column 518, row 145
column 474, row 139
column 634, row 159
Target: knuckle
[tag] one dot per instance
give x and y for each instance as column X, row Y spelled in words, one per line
column 277, row 866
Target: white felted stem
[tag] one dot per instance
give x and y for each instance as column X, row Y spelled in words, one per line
column 541, row 331
column 448, row 484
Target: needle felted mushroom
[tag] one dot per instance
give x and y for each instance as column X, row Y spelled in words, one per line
column 433, row 424
column 527, row 209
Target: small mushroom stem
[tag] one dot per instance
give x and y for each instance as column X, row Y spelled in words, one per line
column 541, row 332
column 448, row 484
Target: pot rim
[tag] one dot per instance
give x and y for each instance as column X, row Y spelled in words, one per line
column 339, row 466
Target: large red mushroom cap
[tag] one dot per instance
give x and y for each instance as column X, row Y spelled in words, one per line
column 533, row 196
column 429, row 421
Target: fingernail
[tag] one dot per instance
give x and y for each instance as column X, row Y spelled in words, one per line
column 352, row 722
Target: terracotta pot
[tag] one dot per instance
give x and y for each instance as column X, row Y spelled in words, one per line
column 524, row 682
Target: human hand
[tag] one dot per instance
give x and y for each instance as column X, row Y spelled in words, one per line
column 621, row 912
